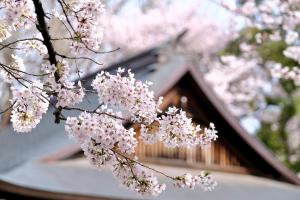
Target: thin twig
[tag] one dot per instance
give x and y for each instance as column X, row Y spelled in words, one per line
column 77, row 58
column 23, row 72
column 8, row 108
column 94, row 112
column 16, row 41
column 143, row 165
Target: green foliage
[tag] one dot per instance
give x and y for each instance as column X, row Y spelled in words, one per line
column 274, row 138
column 273, row 51
column 246, row 35
column 288, row 86
column 232, row 48
column 268, row 51
column 271, row 139
column 296, row 101
column 294, row 166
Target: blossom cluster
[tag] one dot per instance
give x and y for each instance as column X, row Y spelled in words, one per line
column 242, row 78
column 293, row 52
column 100, row 136
column 106, row 142
column 276, row 20
column 128, row 94
column 104, row 129
column 175, row 129
column 287, row 73
column 137, row 178
column 28, row 107
column 204, row 180
column 68, row 93
column 4, row 32
column 97, row 155
column 85, row 21
column 8, row 73
column 30, row 46
column 203, row 37
column 17, row 14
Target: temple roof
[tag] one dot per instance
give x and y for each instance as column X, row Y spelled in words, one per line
column 76, row 179
column 26, row 167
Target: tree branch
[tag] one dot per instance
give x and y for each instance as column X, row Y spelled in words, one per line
column 43, row 28
column 3, row 46
column 8, row 108
column 95, row 112
column 78, row 58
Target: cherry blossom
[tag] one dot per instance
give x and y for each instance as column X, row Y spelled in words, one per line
column 277, row 20
column 204, row 180
column 102, row 136
column 293, row 52
column 137, row 178
column 28, row 107
column 4, row 31
column 19, row 14
column 15, row 69
column 204, row 37
column 177, row 130
column 286, row 72
column 68, row 94
column 239, row 85
column 291, row 37
column 85, row 21
column 105, row 130
column 29, row 46
column 127, row 93
column 97, row 155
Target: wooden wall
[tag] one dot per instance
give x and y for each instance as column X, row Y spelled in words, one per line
column 218, row 156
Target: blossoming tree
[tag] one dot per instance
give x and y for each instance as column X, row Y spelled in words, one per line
column 271, row 40
column 100, row 132
column 172, row 18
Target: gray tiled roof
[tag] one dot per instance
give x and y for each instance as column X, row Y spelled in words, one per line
column 74, row 178
column 16, row 148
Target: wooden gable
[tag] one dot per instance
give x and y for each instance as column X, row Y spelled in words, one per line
column 235, row 150
column 220, row 155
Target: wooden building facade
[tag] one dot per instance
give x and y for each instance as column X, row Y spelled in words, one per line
column 219, row 155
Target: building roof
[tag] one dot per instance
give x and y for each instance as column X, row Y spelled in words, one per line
column 77, row 180
column 24, row 152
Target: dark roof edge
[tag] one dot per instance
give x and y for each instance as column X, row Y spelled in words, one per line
column 252, row 142
column 13, row 191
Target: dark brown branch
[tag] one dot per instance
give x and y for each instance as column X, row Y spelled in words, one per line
column 43, row 28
